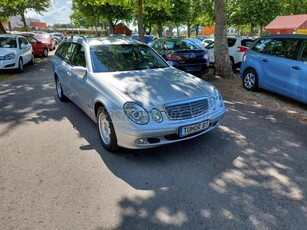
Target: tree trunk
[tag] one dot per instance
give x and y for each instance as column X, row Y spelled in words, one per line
column 160, row 29
column 196, row 30
column 178, row 33
column 2, row 30
column 140, row 20
column 23, row 20
column 111, row 26
column 222, row 64
column 189, row 30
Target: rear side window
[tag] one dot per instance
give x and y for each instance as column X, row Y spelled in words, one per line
column 231, row 42
column 285, row 48
column 65, row 51
column 79, row 56
column 302, row 56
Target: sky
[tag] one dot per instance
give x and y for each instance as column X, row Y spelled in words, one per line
column 58, row 12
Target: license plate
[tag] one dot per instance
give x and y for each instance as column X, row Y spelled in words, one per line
column 190, row 129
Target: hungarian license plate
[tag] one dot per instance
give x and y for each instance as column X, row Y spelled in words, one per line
column 190, row 129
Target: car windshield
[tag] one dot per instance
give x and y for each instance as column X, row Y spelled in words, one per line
column 7, row 42
column 109, row 58
column 181, row 45
column 42, row 36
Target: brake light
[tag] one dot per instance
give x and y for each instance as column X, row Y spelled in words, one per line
column 243, row 57
column 173, row 57
column 242, row 49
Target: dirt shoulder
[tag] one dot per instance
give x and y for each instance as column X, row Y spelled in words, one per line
column 232, row 90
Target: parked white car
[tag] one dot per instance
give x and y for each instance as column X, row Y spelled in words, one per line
column 15, row 52
column 237, row 47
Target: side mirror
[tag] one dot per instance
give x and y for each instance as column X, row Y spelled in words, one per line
column 79, row 71
column 23, row 46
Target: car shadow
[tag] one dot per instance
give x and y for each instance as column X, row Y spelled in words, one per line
column 246, row 174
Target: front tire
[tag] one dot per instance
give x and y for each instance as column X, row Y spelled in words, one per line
column 59, row 90
column 20, row 66
column 106, row 130
column 250, row 80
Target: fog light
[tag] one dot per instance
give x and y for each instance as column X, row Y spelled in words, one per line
column 141, row 141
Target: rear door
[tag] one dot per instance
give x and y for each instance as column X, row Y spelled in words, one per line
column 62, row 66
column 80, row 85
column 299, row 72
column 281, row 76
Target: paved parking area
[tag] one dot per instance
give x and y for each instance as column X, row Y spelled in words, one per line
column 250, row 173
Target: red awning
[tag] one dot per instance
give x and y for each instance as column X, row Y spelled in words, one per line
column 287, row 22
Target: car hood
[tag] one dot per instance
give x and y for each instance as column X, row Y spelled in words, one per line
column 157, row 87
column 5, row 51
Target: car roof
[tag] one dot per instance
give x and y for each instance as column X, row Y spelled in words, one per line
column 286, row 36
column 102, row 40
column 11, row 35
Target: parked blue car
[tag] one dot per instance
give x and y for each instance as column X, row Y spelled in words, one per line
column 277, row 63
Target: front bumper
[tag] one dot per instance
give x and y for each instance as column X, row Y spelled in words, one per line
column 163, row 133
column 8, row 64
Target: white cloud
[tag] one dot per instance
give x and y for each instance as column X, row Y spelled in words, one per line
column 58, row 12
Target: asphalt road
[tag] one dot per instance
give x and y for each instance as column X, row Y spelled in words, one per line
column 250, row 173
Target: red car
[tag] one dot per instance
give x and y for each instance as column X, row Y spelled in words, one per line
column 38, row 47
column 46, row 39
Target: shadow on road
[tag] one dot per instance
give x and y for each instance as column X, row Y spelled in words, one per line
column 247, row 174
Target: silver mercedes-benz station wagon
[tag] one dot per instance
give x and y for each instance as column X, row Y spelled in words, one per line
column 136, row 98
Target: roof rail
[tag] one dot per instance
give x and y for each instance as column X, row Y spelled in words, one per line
column 81, row 36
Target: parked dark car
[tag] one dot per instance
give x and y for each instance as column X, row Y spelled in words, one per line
column 183, row 54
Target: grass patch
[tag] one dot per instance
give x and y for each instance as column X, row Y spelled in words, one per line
column 5, row 76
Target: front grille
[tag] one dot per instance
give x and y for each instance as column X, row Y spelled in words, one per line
column 187, row 110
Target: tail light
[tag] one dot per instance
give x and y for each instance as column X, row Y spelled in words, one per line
column 244, row 57
column 173, row 57
column 242, row 49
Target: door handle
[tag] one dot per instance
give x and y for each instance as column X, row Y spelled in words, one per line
column 265, row 60
column 296, row 68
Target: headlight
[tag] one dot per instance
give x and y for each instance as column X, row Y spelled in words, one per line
column 136, row 113
column 156, row 115
column 216, row 100
column 9, row 56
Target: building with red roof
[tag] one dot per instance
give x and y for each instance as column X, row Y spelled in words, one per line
column 288, row 24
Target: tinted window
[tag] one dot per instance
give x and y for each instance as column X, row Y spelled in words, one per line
column 264, row 46
column 42, row 36
column 247, row 42
column 79, row 56
column 231, row 41
column 24, row 41
column 7, row 42
column 303, row 52
column 156, row 45
column 109, row 58
column 65, row 51
column 284, row 48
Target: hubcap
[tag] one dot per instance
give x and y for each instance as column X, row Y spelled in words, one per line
column 59, row 88
column 104, row 128
column 249, row 80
